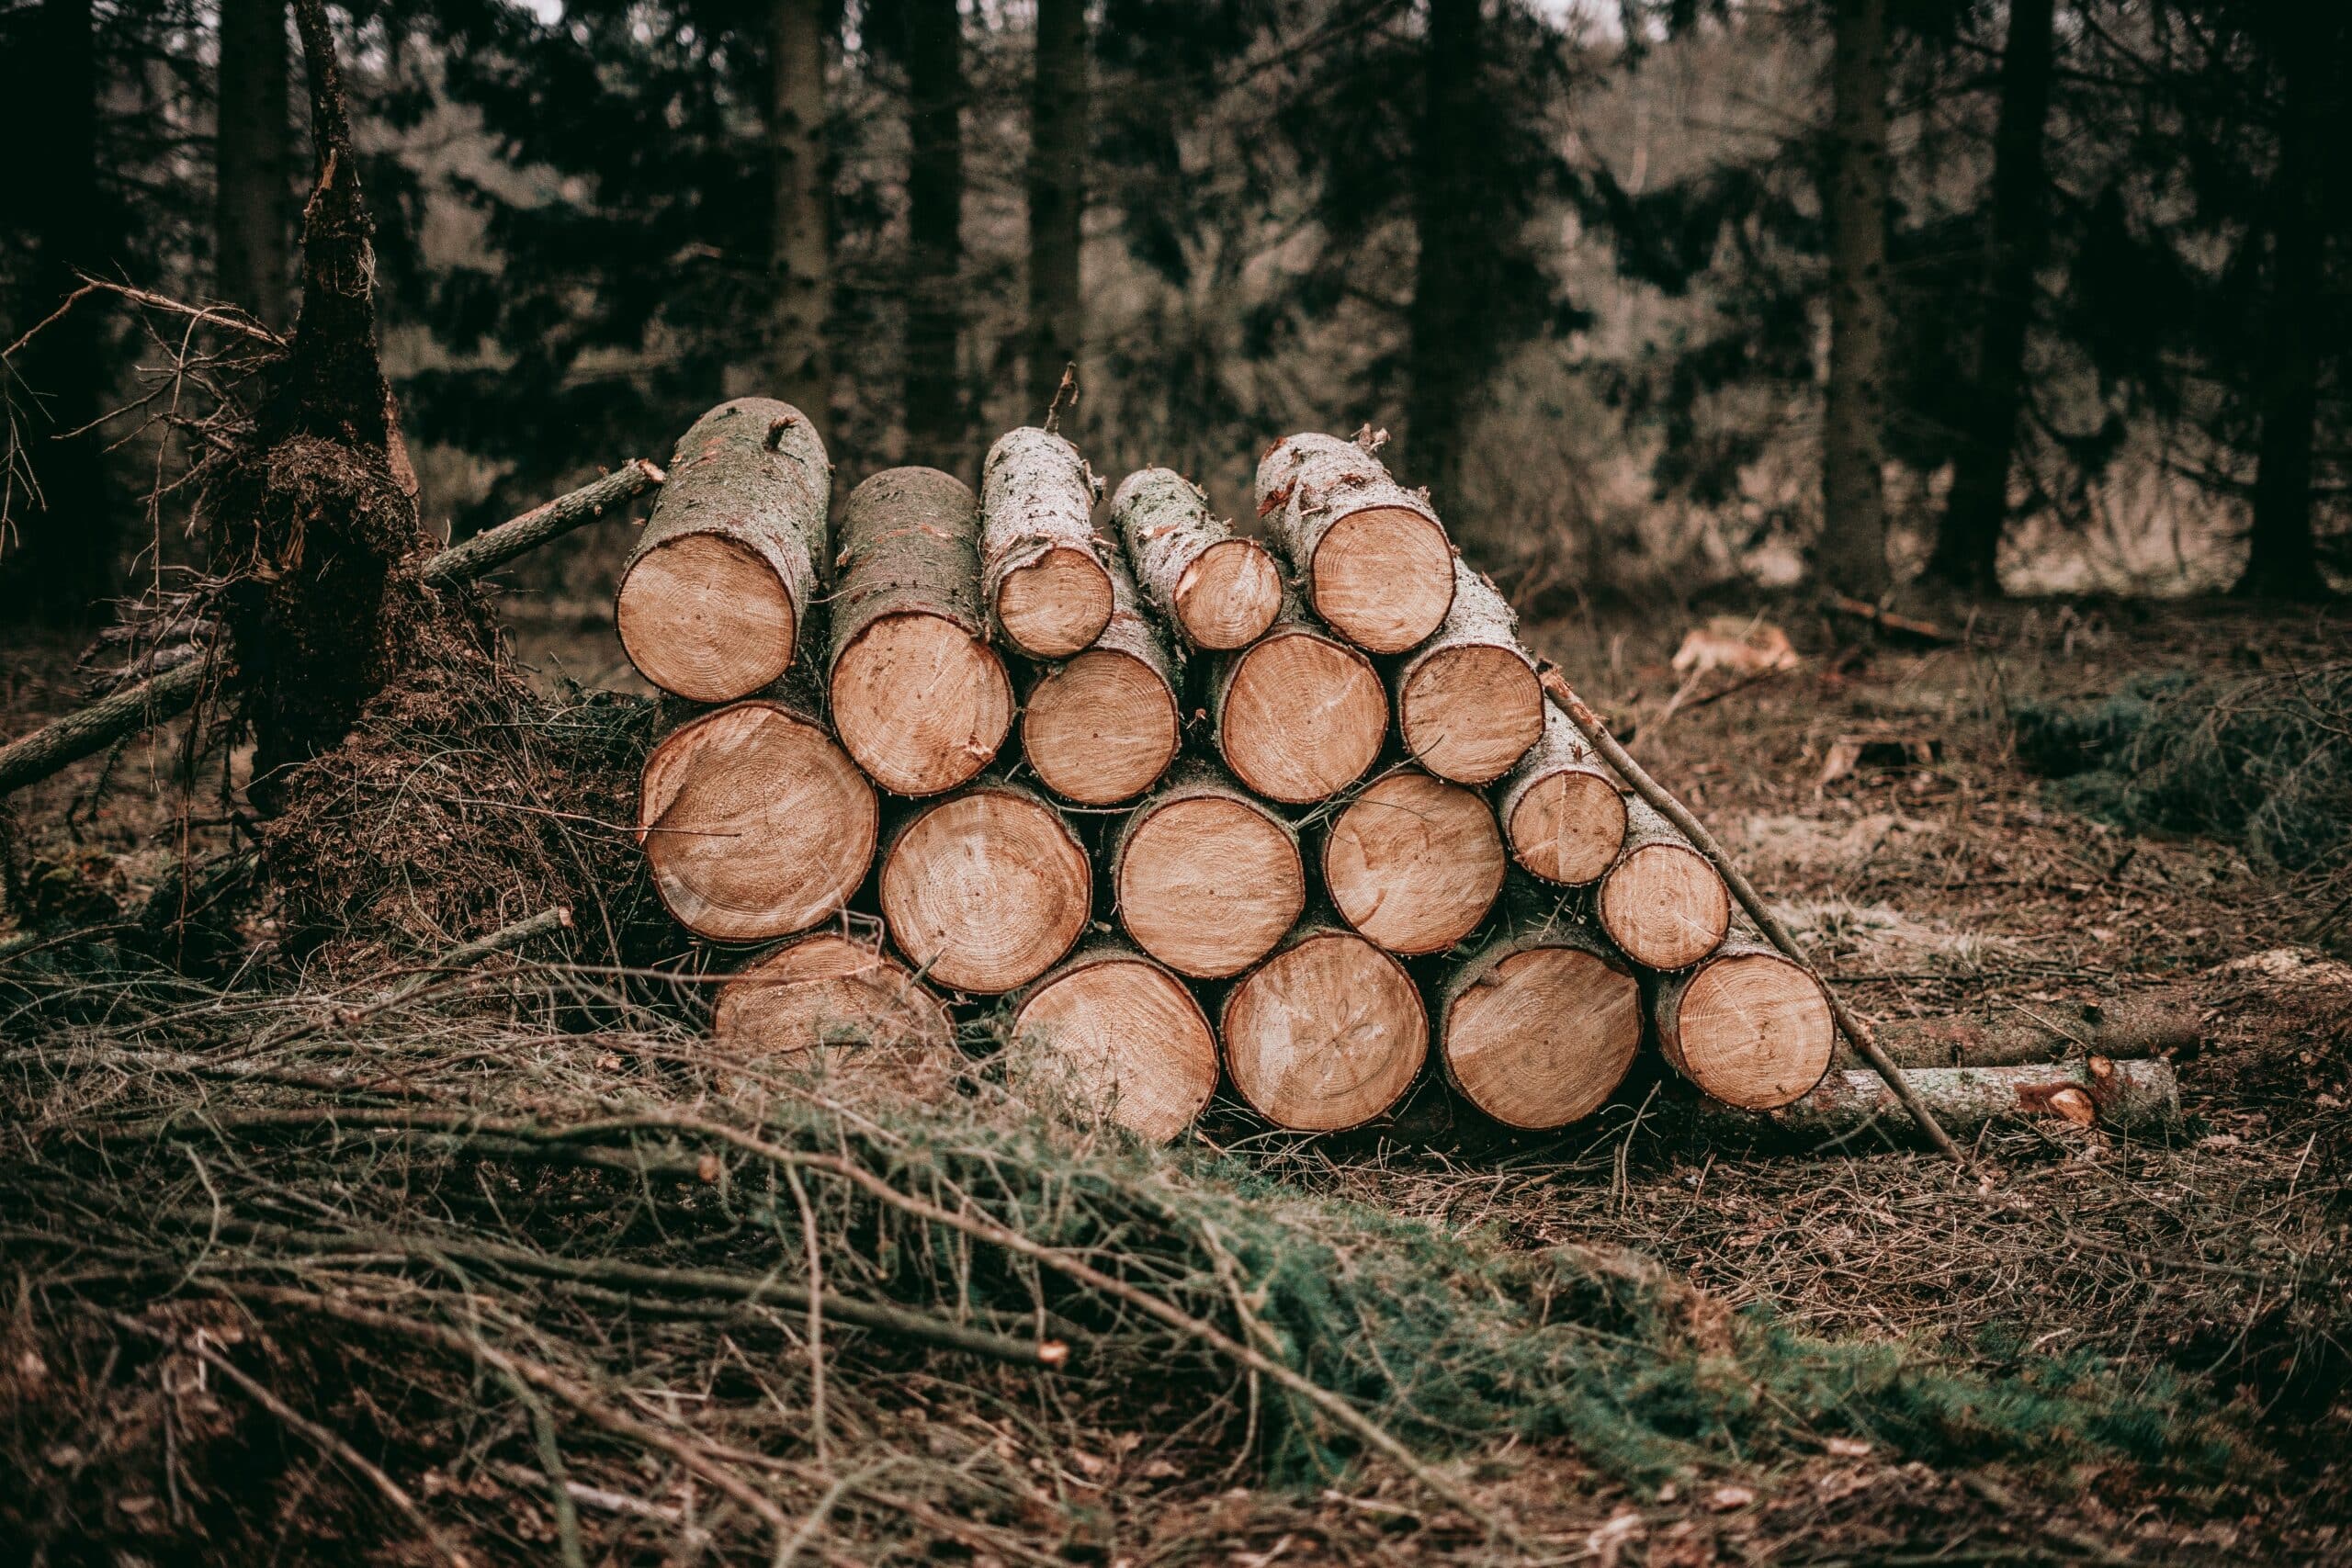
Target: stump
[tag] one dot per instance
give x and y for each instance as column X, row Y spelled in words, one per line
column 1467, row 703
column 1042, row 566
column 1375, row 558
column 1661, row 903
column 1326, row 1034
column 1560, row 811
column 1102, row 727
column 829, row 991
column 1207, row 877
column 1125, row 1037
column 1414, row 863
column 986, row 890
column 1298, row 715
column 1218, row 589
column 1540, row 1025
column 1748, row 1026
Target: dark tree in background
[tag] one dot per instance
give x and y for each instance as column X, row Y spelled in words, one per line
column 252, row 159
column 1853, row 526
column 937, row 429
column 1057, row 181
column 800, row 368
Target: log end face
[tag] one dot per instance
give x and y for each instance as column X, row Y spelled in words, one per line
column 1228, row 595
column 1123, row 1038
column 1056, row 605
column 1545, row 1038
column 1567, row 827
column 987, row 891
column 1102, row 728
column 1754, row 1031
column 1469, row 713
column 1326, row 1036
column 707, row 617
column 920, row 703
column 827, row 991
column 1383, row 578
column 1414, row 864
column 1302, row 718
column 1209, row 884
column 1665, row 905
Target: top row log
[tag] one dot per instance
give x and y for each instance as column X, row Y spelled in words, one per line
column 1220, row 589
column 1042, row 569
column 1373, row 558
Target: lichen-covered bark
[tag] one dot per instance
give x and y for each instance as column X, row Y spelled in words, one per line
column 909, row 541
column 1308, row 483
column 1561, row 751
column 1036, row 495
column 2017, row 1033
column 2119, row 1096
column 1165, row 521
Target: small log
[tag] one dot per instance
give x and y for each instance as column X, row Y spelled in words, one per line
column 1540, row 1025
column 1298, row 715
column 1414, row 863
column 1042, row 563
column 1467, row 703
column 1118, row 1034
column 986, row 890
column 1104, row 725
column 1207, row 878
column 2099, row 1091
column 1560, row 811
column 2155, row 1025
column 1747, row 1025
column 825, row 990
column 919, row 697
column 1375, row 558
column 1661, row 902
column 1328, row 1034
column 754, row 823
column 712, row 599
column 1220, row 589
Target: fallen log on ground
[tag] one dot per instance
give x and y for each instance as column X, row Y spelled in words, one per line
column 1220, row 589
column 1326, row 1034
column 1747, row 1025
column 2123, row 1097
column 1298, row 715
column 1376, row 560
column 1561, row 813
column 827, row 990
column 1661, row 903
column 1467, row 703
column 986, row 890
column 2153, row 1025
column 1539, row 1025
column 1207, row 877
column 1413, row 863
column 1121, row 1036
column 1042, row 573
column 1101, row 726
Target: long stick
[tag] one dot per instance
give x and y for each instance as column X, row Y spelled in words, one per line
column 1849, row 1023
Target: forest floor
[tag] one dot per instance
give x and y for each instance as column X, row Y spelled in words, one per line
column 2209, row 1265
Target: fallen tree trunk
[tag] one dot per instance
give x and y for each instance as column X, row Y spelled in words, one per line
column 986, row 890
column 2124, row 1097
column 1560, row 811
column 713, row 599
column 1328, row 1034
column 1413, row 863
column 2153, row 1025
column 919, row 697
column 1748, row 1026
column 1539, row 1026
column 1042, row 569
column 1104, row 725
column 1122, row 1037
column 1218, row 589
column 1207, row 877
column 1661, row 903
column 828, row 990
column 1298, row 716
column 1377, row 562
column 1467, row 703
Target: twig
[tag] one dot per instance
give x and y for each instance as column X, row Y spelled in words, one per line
column 1887, row 620
column 1066, row 391
column 465, row 955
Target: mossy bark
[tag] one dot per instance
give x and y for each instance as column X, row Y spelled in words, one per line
column 1164, row 521
column 910, row 542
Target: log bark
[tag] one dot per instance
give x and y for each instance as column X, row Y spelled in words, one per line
column 1102, row 726
column 1042, row 567
column 1467, row 703
column 1539, row 1026
column 1207, row 877
column 712, row 599
column 1376, row 560
column 754, row 823
column 1220, row 589
column 1123, row 1038
column 1298, row 715
column 1748, row 1026
column 1413, row 863
column 2153, row 1025
column 1661, row 903
column 986, row 890
column 2119, row 1096
column 828, row 990
column 1560, row 811
column 919, row 697
column 1328, row 1034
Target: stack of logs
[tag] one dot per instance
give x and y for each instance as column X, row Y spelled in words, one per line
column 1294, row 812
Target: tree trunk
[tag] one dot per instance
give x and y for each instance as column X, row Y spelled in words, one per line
column 1560, row 811
column 1467, row 703
column 934, row 392
column 1298, row 716
column 2132, row 1026
column 801, row 362
column 1041, row 562
column 1969, row 540
column 1539, row 1026
column 252, row 161
column 1748, row 1026
column 1328, row 1034
column 1103, row 726
column 1120, row 1039
column 2118, row 1095
column 986, row 890
column 1443, row 322
column 829, row 991
column 1853, row 524
column 1058, row 135
column 1207, row 878
column 713, row 598
column 1662, row 904
column 919, row 697
column 1376, row 560
column 1413, row 863
column 1220, row 589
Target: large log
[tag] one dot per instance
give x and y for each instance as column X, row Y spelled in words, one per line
column 1467, row 703
column 1042, row 563
column 1328, row 1034
column 1207, row 877
column 1374, row 556
column 986, row 890
column 1121, row 1036
column 1298, row 715
column 1101, row 726
column 1561, row 813
column 1540, row 1025
column 1220, row 589
column 826, row 990
column 753, row 822
column 1413, row 863
column 712, row 599
column 2153, row 1025
column 919, row 697
column 1747, row 1025
column 1661, row 902
column 2098, row 1091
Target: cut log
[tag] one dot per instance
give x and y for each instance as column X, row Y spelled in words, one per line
column 1218, row 589
column 1539, row 1026
column 1467, row 703
column 2099, row 1091
column 919, row 697
column 753, row 822
column 1328, row 1034
column 1374, row 556
column 1119, row 1034
column 1102, row 726
column 828, row 990
column 1207, row 878
column 1748, row 1026
column 712, row 599
column 1414, row 863
column 1298, row 715
column 1661, row 903
column 1042, row 564
column 2153, row 1025
column 1560, row 811
column 986, row 890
